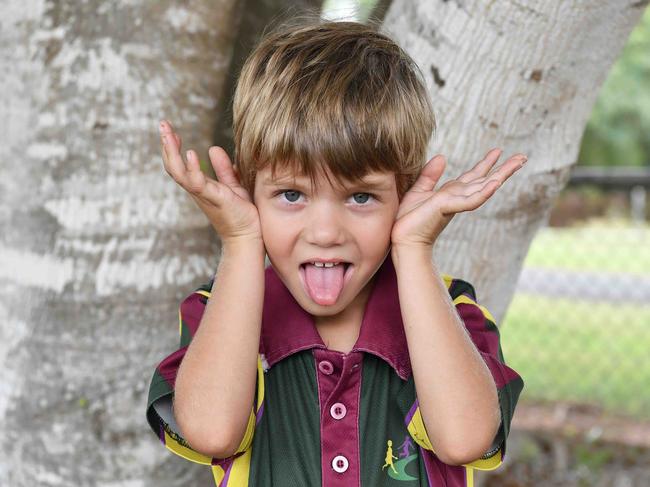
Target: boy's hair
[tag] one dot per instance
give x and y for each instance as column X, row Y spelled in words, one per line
column 316, row 95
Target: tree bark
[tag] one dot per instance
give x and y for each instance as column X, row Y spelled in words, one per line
column 522, row 76
column 97, row 243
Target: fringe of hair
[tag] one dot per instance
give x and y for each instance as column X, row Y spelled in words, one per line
column 330, row 97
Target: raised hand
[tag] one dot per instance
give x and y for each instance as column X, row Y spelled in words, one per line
column 224, row 201
column 424, row 213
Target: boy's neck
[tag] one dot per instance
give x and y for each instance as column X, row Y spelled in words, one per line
column 339, row 336
column 340, row 332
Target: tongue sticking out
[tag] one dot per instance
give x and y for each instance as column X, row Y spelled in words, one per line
column 324, row 284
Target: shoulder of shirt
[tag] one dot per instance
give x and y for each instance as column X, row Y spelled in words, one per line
column 204, row 289
column 457, row 287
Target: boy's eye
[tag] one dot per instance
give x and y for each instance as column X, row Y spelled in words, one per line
column 292, row 196
column 364, row 198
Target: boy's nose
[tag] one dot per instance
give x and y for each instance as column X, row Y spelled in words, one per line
column 325, row 226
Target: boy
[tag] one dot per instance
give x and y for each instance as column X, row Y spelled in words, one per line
column 349, row 360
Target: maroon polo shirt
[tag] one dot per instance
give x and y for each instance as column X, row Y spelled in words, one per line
column 322, row 417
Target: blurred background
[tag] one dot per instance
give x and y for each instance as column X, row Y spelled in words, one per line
column 578, row 327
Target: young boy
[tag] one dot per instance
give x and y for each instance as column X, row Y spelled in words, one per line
column 350, row 360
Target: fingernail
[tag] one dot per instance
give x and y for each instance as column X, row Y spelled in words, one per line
column 164, row 138
column 187, row 154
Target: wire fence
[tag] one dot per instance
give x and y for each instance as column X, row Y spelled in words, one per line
column 578, row 328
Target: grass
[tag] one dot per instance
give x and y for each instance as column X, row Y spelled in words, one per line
column 599, row 245
column 566, row 349
column 580, row 351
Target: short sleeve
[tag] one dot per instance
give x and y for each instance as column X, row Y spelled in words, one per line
column 485, row 335
column 160, row 414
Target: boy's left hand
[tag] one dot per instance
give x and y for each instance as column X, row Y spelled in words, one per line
column 424, row 213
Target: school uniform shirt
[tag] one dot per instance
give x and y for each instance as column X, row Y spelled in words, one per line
column 324, row 418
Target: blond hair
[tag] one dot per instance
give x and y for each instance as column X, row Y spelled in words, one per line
column 318, row 95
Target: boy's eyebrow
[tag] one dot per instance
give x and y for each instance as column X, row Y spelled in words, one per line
column 373, row 184
column 281, row 180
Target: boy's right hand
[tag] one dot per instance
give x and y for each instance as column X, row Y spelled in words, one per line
column 225, row 202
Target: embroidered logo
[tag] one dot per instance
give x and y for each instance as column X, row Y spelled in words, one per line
column 397, row 469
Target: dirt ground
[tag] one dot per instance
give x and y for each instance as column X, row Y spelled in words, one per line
column 568, row 445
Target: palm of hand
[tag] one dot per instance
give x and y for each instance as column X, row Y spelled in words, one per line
column 424, row 212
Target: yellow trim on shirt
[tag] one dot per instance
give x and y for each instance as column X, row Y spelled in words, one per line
column 419, row 434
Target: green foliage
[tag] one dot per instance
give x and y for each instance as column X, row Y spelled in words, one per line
column 618, row 132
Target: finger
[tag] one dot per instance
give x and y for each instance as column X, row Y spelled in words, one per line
column 207, row 191
column 510, row 166
column 165, row 157
column 482, row 167
column 163, row 151
column 196, row 180
column 213, row 194
column 430, row 174
column 471, row 201
column 167, row 135
column 498, row 177
column 223, row 168
column 166, row 128
column 175, row 165
column 237, row 174
column 166, row 125
column 505, row 170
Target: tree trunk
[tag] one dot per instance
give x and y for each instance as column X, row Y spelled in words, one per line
column 98, row 244
column 522, row 76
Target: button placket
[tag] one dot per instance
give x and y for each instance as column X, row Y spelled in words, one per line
column 339, row 394
column 347, row 371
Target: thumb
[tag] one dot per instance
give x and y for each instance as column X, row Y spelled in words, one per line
column 430, row 174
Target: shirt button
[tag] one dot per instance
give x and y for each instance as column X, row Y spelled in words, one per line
column 326, row 367
column 338, row 410
column 340, row 463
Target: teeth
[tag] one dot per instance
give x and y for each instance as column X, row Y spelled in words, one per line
column 325, row 264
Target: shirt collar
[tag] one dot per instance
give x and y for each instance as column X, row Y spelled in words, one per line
column 287, row 328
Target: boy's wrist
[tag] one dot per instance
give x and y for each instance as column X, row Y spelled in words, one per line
column 410, row 249
column 238, row 245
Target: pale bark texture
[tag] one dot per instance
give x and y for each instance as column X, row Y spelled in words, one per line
column 519, row 75
column 97, row 243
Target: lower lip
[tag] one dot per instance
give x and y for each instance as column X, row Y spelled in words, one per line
column 346, row 278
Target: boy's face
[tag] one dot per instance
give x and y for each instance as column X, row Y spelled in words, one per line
column 301, row 224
